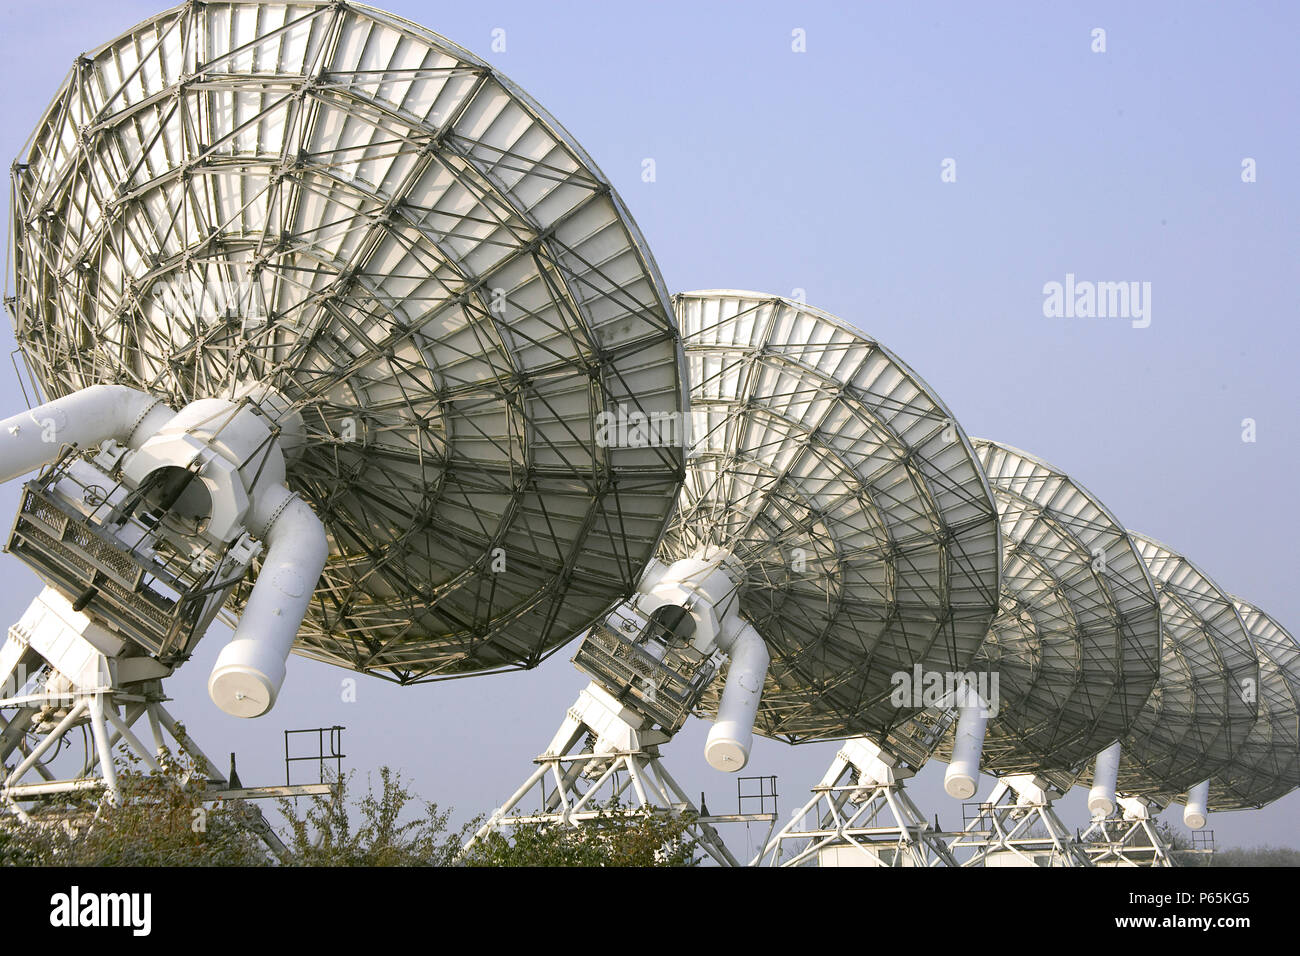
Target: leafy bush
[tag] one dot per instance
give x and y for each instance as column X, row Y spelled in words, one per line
column 326, row 836
column 618, row 836
column 1256, row 856
column 162, row 820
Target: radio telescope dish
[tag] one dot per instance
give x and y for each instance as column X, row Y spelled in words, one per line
column 863, row 530
column 1202, row 707
column 417, row 273
column 1076, row 642
column 834, row 529
column 1267, row 764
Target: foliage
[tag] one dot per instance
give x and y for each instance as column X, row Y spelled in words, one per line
column 617, row 836
column 162, row 820
column 326, row 836
column 1180, row 846
column 1256, row 856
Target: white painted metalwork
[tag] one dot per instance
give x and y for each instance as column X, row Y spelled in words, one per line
column 1128, row 837
column 169, row 490
column 1198, row 798
column 1266, row 765
column 62, row 672
column 331, row 201
column 1195, row 724
column 650, row 661
column 1105, row 777
column 315, row 293
column 962, row 775
column 860, row 816
column 1205, row 702
column 834, row 529
column 1076, row 643
column 1067, row 662
column 1018, row 826
column 605, row 751
column 1084, row 603
column 850, row 497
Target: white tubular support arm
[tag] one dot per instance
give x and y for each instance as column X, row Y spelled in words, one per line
column 33, row 438
column 962, row 776
column 250, row 669
column 1101, row 798
column 732, row 734
column 1196, row 812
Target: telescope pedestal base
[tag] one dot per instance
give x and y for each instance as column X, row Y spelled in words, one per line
column 1002, row 831
column 1128, row 837
column 83, row 690
column 619, row 760
column 864, row 818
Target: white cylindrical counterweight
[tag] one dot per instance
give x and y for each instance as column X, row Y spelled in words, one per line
column 1101, row 798
column 1196, row 811
column 732, row 734
column 963, row 773
column 250, row 669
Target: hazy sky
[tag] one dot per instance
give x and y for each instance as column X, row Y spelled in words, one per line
column 821, row 170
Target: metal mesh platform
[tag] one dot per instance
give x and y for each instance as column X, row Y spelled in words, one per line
column 161, row 601
column 666, row 691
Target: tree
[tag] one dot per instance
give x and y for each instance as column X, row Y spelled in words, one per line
column 1256, row 856
column 1181, row 849
column 325, row 835
column 162, row 820
column 617, row 836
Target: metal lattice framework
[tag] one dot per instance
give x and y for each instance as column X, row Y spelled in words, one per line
column 860, row 815
column 331, row 201
column 1267, row 764
column 1076, row 641
column 1204, row 704
column 1017, row 825
column 850, row 496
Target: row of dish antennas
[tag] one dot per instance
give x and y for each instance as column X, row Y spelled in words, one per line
column 187, row 501
column 146, row 520
column 191, row 499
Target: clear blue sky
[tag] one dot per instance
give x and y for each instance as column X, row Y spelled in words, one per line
column 821, row 171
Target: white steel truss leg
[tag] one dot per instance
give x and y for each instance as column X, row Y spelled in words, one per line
column 1018, row 826
column 603, row 751
column 57, row 680
column 863, row 817
column 1128, row 837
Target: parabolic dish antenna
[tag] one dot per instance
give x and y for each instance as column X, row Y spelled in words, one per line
column 1267, row 763
column 1076, row 642
column 834, row 530
column 1204, row 703
column 856, row 511
column 326, row 204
